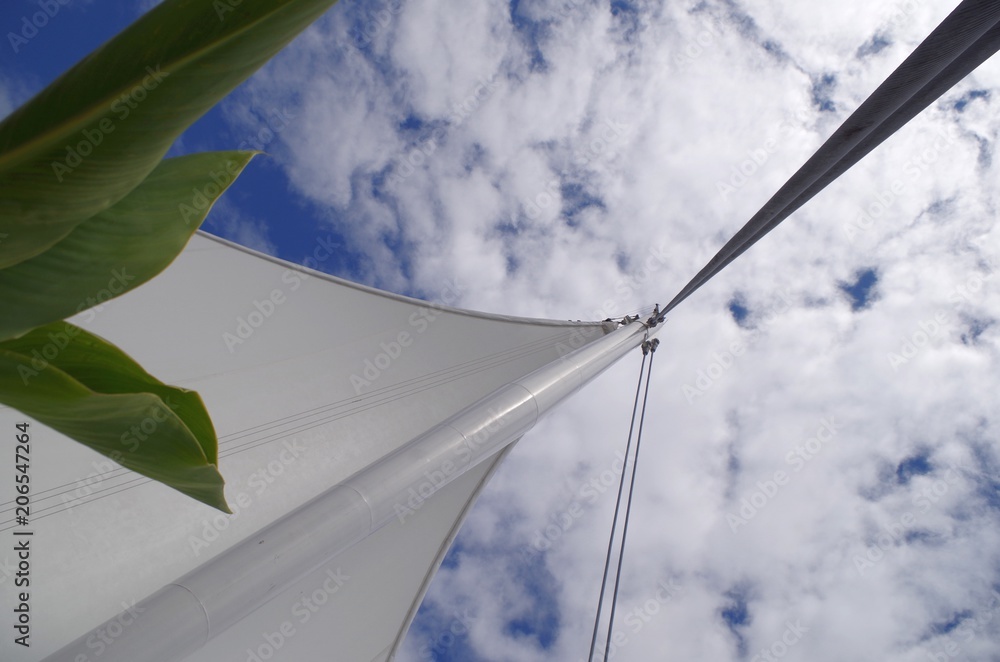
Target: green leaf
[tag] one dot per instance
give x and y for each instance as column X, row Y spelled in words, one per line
column 120, row 248
column 96, row 132
column 91, row 391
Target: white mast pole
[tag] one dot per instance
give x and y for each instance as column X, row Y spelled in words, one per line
column 181, row 617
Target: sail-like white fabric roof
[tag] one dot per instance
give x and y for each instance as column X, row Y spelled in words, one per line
column 309, row 379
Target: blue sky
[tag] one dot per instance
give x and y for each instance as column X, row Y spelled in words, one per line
column 262, row 192
column 582, row 160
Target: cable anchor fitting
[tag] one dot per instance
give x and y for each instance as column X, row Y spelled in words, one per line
column 655, row 318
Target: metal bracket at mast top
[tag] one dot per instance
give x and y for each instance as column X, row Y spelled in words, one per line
column 656, row 317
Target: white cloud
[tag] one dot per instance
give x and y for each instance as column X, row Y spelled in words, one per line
column 703, row 91
column 246, row 231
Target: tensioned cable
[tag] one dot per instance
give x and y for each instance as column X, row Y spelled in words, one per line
column 965, row 39
column 346, row 407
column 298, row 423
column 477, row 366
column 618, row 503
column 651, row 344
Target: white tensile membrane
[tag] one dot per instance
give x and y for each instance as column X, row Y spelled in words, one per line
column 310, row 381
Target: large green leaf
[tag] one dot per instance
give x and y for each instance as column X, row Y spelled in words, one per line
column 119, row 248
column 91, row 391
column 96, row 132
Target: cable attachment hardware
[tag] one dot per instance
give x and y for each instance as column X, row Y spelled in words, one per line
column 649, row 346
column 656, row 317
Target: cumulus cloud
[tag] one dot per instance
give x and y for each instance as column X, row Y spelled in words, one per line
column 253, row 233
column 820, row 462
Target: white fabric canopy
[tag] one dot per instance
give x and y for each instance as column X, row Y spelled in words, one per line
column 308, row 380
